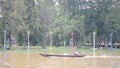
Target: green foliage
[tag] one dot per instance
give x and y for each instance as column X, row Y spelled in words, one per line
column 62, row 18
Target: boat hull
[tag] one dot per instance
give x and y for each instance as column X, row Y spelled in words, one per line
column 53, row 55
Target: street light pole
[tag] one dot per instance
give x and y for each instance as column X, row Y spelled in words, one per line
column 28, row 33
column 72, row 42
column 4, row 30
column 111, row 47
column 94, row 43
column 51, row 40
column 5, row 40
column 1, row 31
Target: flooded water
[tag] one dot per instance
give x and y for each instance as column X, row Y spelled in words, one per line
column 34, row 60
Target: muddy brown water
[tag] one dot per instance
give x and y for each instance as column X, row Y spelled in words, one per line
column 34, row 60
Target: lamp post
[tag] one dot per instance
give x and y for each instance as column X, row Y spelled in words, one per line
column 5, row 47
column 28, row 33
column 5, row 40
column 1, row 31
column 111, row 47
column 94, row 43
column 72, row 42
column 28, row 47
column 51, row 40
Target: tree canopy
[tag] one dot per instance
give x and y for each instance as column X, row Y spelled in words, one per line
column 61, row 17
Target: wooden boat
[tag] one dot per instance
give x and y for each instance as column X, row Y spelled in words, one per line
column 53, row 55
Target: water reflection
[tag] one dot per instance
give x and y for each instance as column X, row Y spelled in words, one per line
column 4, row 62
column 27, row 59
column 94, row 63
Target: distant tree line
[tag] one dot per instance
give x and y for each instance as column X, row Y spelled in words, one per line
column 61, row 17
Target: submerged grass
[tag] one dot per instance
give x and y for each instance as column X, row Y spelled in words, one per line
column 38, row 49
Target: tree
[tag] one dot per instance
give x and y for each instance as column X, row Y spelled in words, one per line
column 66, row 22
column 6, row 9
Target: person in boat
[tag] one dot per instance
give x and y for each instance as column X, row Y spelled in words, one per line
column 76, row 53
